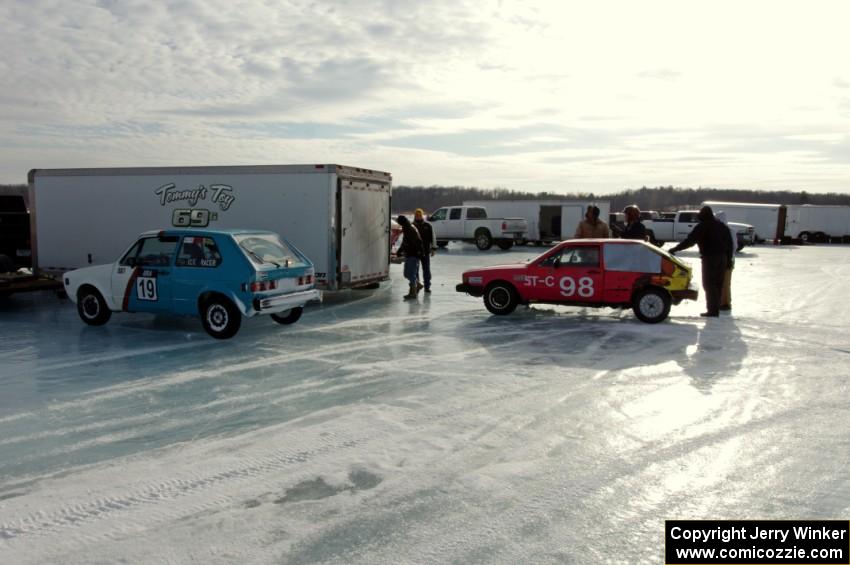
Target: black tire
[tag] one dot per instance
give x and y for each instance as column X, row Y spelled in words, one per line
column 442, row 244
column 92, row 307
column 538, row 243
column 288, row 316
column 500, row 298
column 651, row 305
column 805, row 237
column 220, row 317
column 505, row 244
column 483, row 240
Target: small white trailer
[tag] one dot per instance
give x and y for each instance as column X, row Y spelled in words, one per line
column 338, row 216
column 817, row 224
column 767, row 219
column 548, row 220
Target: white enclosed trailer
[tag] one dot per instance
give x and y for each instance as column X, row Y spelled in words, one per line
column 548, row 220
column 812, row 223
column 338, row 216
column 767, row 219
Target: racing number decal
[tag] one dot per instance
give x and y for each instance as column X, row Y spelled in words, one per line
column 146, row 288
column 568, row 285
column 585, row 287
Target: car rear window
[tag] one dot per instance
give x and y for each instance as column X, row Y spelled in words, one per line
column 269, row 249
column 631, row 258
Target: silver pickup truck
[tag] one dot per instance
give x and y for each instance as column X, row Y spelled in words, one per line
column 470, row 223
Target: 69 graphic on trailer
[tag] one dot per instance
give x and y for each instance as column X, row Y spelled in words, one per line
column 192, row 217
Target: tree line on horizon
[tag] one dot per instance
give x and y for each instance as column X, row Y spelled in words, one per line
column 661, row 198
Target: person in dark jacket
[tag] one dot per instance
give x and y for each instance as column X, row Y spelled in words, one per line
column 411, row 249
column 634, row 227
column 429, row 246
column 715, row 248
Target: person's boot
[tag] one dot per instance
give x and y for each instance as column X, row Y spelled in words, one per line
column 418, row 287
column 411, row 293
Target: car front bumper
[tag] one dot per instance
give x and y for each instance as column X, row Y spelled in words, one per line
column 469, row 289
column 279, row 303
column 687, row 294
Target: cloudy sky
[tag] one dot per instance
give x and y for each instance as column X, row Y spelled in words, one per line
column 559, row 96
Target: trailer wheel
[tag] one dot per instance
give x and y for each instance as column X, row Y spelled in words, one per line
column 92, row 307
column 505, row 244
column 220, row 317
column 805, row 236
column 500, row 298
column 288, row 316
column 651, row 305
column 483, row 241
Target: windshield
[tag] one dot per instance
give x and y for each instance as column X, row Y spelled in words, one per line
column 268, row 248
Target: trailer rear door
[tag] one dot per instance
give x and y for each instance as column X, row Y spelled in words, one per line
column 364, row 223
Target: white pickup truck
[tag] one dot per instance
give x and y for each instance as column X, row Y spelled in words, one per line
column 677, row 228
column 470, row 223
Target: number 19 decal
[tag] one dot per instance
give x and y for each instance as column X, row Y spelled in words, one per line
column 146, row 288
column 585, row 287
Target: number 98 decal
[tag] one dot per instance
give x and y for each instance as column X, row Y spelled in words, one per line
column 584, row 287
column 146, row 288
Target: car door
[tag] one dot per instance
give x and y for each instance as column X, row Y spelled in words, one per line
column 438, row 222
column 572, row 273
column 141, row 280
column 454, row 224
column 685, row 223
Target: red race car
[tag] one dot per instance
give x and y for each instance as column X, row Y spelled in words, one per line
column 612, row 273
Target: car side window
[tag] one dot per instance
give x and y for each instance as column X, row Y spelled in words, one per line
column 439, row 215
column 476, row 214
column 583, row 256
column 198, row 252
column 553, row 259
column 454, row 213
column 688, row 218
column 151, row 252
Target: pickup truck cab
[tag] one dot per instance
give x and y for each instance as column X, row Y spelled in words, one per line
column 613, row 273
column 471, row 224
column 676, row 227
column 219, row 275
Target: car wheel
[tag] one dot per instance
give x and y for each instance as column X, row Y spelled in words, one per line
column 483, row 241
column 500, row 299
column 651, row 305
column 805, row 236
column 505, row 244
column 442, row 244
column 220, row 317
column 92, row 307
column 288, row 316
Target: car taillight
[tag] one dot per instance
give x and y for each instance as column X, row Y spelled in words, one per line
column 504, row 226
column 261, row 286
column 305, row 280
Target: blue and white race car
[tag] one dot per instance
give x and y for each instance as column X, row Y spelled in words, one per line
column 220, row 275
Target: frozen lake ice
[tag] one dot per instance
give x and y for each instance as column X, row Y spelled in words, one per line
column 381, row 431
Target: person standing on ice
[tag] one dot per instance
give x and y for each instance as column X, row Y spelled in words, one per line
column 411, row 248
column 634, row 227
column 591, row 226
column 715, row 249
column 726, row 293
column 429, row 246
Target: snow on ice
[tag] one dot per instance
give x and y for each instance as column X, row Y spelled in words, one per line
column 382, row 431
